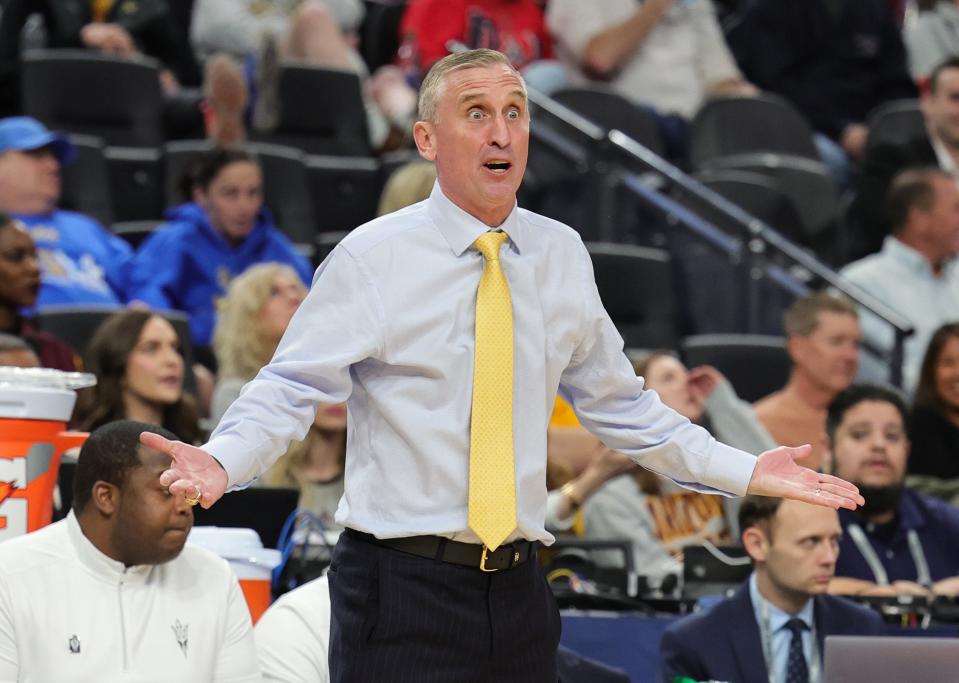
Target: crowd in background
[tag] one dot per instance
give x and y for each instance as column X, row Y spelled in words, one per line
column 220, row 258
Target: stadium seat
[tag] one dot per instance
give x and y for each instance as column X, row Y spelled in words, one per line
column 733, row 125
column 321, row 111
column 83, row 91
column 757, row 194
column 381, row 32
column 135, row 182
column 345, row 190
column 326, row 242
column 806, row 182
column 756, row 365
column 75, row 325
column 895, row 122
column 609, row 110
column 86, row 181
column 134, row 232
column 636, row 287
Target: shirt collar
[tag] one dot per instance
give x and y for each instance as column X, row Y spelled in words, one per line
column 461, row 229
column 897, row 250
column 97, row 562
column 777, row 617
column 944, row 159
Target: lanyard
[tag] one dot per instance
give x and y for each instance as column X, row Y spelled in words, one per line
column 858, row 537
column 765, row 635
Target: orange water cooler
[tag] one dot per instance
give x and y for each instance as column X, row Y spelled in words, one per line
column 35, row 407
column 251, row 562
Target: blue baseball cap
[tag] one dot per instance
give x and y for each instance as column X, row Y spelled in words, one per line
column 23, row 133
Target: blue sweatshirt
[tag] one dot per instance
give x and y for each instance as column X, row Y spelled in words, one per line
column 81, row 263
column 186, row 265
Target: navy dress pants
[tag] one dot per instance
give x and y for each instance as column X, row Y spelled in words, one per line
column 398, row 617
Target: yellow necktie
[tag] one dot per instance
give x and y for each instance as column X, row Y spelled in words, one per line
column 492, row 483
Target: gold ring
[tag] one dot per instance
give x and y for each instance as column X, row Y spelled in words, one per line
column 196, row 496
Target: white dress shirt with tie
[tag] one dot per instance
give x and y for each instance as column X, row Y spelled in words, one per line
column 388, row 327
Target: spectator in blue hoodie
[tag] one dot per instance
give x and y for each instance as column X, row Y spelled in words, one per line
column 81, row 263
column 188, row 263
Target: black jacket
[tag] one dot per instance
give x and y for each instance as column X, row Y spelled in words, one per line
column 149, row 22
column 834, row 68
column 868, row 216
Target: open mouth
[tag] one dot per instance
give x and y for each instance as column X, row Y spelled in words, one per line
column 498, row 166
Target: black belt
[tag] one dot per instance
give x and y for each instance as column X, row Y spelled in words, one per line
column 467, row 554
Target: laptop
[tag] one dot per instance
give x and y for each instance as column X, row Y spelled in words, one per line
column 890, row 659
column 265, row 510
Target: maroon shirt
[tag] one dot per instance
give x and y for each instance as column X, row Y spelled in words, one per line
column 52, row 351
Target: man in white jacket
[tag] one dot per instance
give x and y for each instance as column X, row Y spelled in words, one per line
column 111, row 593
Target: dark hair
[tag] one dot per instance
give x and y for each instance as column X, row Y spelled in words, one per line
column 950, row 63
column 108, row 455
column 910, row 189
column 855, row 394
column 758, row 511
column 927, row 395
column 208, row 166
column 5, row 220
column 106, row 357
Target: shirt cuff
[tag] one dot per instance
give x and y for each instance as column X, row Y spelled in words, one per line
column 228, row 451
column 730, row 469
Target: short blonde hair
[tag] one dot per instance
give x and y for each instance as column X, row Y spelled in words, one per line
column 802, row 318
column 238, row 341
column 432, row 88
column 410, row 183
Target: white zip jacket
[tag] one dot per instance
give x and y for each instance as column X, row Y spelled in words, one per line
column 70, row 613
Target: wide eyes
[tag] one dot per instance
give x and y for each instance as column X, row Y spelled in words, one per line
column 479, row 114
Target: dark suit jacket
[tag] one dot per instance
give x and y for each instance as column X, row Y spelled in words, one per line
column 868, row 217
column 723, row 643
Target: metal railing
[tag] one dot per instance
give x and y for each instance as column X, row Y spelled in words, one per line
column 601, row 153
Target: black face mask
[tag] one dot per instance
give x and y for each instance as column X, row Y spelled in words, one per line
column 879, row 499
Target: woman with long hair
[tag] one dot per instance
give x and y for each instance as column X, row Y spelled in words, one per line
column 253, row 316
column 934, row 420
column 136, row 357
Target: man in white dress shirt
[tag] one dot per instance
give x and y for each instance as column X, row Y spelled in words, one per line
column 391, row 327
column 110, row 593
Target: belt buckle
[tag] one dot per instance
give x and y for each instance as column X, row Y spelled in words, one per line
column 483, row 558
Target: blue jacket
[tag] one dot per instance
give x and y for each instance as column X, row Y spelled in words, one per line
column 186, row 265
column 81, row 263
column 723, row 642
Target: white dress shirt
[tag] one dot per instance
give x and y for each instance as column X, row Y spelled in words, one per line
column 683, row 56
column 902, row 278
column 293, row 635
column 388, row 327
column 70, row 613
column 780, row 636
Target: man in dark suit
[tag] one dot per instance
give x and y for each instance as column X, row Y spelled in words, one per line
column 779, row 618
column 940, row 106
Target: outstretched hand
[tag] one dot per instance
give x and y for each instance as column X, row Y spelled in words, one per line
column 192, row 470
column 777, row 474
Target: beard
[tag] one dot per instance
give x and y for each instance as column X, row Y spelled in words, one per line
column 879, row 499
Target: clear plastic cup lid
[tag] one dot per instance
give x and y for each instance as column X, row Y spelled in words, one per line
column 44, row 378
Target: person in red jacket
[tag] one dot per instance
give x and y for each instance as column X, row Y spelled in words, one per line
column 514, row 27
